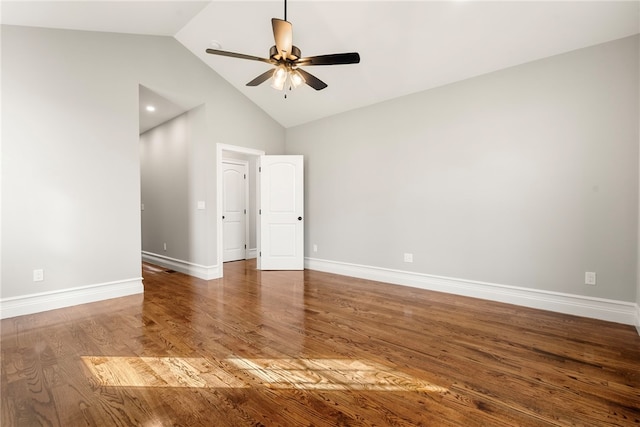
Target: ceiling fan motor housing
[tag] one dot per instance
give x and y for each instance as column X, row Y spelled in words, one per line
column 292, row 56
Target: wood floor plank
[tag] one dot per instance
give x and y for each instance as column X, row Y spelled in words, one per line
column 309, row 348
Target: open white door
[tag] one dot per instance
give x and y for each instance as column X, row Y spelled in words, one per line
column 281, row 212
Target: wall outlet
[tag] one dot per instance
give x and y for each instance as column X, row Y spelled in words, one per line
column 201, row 205
column 590, row 278
column 164, row 245
column 408, row 257
column 315, row 248
column 38, row 275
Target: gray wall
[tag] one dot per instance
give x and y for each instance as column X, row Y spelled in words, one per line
column 170, row 212
column 169, row 185
column 525, row 177
column 70, row 141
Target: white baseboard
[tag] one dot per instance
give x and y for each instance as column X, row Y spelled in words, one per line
column 206, row 272
column 35, row 303
column 252, row 253
column 598, row 308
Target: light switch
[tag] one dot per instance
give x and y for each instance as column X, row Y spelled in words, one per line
column 201, row 205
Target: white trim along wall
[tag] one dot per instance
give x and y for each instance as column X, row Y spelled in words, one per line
column 597, row 308
column 205, row 272
column 44, row 301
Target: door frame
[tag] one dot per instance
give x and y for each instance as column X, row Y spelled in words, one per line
column 245, row 201
column 219, row 152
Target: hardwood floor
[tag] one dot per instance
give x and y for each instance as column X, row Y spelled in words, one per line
column 313, row 349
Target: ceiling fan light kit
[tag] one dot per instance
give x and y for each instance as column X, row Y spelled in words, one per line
column 287, row 59
column 279, row 78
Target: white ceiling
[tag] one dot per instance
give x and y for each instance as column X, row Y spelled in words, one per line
column 405, row 47
column 161, row 18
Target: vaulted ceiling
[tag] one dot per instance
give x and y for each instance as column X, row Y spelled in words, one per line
column 405, row 47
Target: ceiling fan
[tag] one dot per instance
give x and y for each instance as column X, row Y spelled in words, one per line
column 288, row 59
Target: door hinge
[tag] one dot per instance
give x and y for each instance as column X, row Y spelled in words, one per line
column 245, row 246
column 245, row 176
column 245, row 211
column 261, row 253
column 259, row 211
column 260, row 169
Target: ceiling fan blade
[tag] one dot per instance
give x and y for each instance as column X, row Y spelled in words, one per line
column 238, row 55
column 283, row 35
column 261, row 78
column 331, row 59
column 312, row 80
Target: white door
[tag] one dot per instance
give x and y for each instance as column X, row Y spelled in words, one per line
column 281, row 223
column 234, row 211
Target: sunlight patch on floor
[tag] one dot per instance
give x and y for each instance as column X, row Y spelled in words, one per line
column 303, row 374
column 332, row 374
column 160, row 372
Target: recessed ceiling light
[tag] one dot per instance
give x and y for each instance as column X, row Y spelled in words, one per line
column 151, row 108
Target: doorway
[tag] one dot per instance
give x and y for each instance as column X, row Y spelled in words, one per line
column 235, row 209
column 230, row 153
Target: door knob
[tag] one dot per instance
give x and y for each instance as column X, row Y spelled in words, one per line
column 299, row 218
